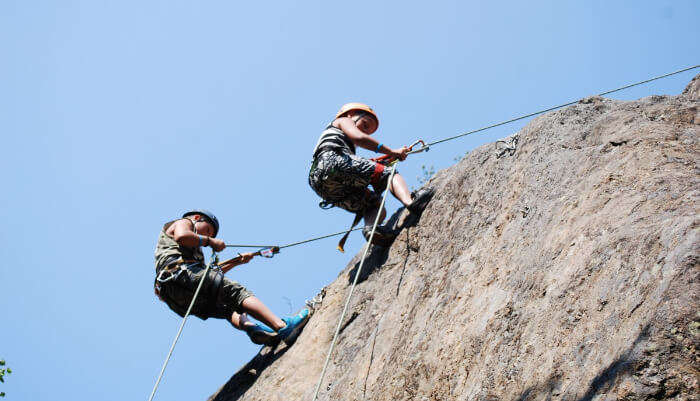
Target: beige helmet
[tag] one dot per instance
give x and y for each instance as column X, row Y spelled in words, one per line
column 347, row 107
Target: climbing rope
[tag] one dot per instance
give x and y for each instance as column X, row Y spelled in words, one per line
column 425, row 147
column 293, row 243
column 352, row 288
column 557, row 107
column 212, row 261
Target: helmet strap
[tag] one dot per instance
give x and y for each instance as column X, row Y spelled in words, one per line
column 194, row 224
column 358, row 116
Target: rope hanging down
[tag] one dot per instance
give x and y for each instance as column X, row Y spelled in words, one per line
column 213, row 261
column 352, row 288
column 425, row 148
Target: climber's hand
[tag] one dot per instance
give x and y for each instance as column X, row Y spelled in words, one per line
column 400, row 154
column 217, row 244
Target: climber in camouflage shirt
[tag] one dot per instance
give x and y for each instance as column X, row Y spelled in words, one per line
column 180, row 267
column 342, row 178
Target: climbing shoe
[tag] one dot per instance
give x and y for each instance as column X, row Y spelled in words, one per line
column 261, row 334
column 420, row 198
column 294, row 325
column 383, row 236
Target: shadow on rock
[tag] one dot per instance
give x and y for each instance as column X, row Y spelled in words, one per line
column 403, row 219
column 601, row 383
column 623, row 364
column 405, row 261
column 240, row 382
column 376, row 257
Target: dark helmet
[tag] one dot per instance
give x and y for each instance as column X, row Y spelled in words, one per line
column 209, row 216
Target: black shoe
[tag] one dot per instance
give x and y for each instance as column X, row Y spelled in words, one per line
column 421, row 198
column 382, row 236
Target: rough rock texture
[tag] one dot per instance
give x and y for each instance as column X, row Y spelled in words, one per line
column 567, row 271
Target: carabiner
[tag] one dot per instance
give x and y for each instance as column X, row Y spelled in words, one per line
column 269, row 252
column 171, row 275
column 424, row 147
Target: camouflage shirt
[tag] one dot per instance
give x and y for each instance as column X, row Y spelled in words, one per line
column 168, row 250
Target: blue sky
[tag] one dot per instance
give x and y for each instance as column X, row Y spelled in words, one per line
column 117, row 116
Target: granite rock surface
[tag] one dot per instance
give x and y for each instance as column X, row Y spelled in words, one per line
column 567, row 270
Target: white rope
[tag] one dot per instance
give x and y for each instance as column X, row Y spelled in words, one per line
column 352, row 288
column 318, row 386
column 558, row 107
column 364, row 255
column 182, row 325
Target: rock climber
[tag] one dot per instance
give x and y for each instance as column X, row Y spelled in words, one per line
column 341, row 177
column 180, row 266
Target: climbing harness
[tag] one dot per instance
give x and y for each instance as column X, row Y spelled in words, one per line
column 169, row 273
column 352, row 288
column 382, row 162
column 174, row 271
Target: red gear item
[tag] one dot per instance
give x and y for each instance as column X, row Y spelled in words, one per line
column 378, row 170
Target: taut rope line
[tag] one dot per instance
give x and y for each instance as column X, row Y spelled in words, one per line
column 560, row 106
column 474, row 132
column 212, row 262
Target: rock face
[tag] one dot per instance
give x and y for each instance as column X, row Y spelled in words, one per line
column 568, row 270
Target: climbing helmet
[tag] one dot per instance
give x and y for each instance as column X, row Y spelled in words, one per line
column 348, row 107
column 208, row 216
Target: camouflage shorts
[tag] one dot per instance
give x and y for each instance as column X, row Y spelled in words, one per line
column 221, row 304
column 342, row 178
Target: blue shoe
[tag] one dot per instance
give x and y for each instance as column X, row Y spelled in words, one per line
column 294, row 325
column 261, row 334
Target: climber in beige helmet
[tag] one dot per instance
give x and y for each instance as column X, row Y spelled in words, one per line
column 342, row 178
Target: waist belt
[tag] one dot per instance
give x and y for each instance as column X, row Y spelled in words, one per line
column 172, row 270
column 210, row 288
